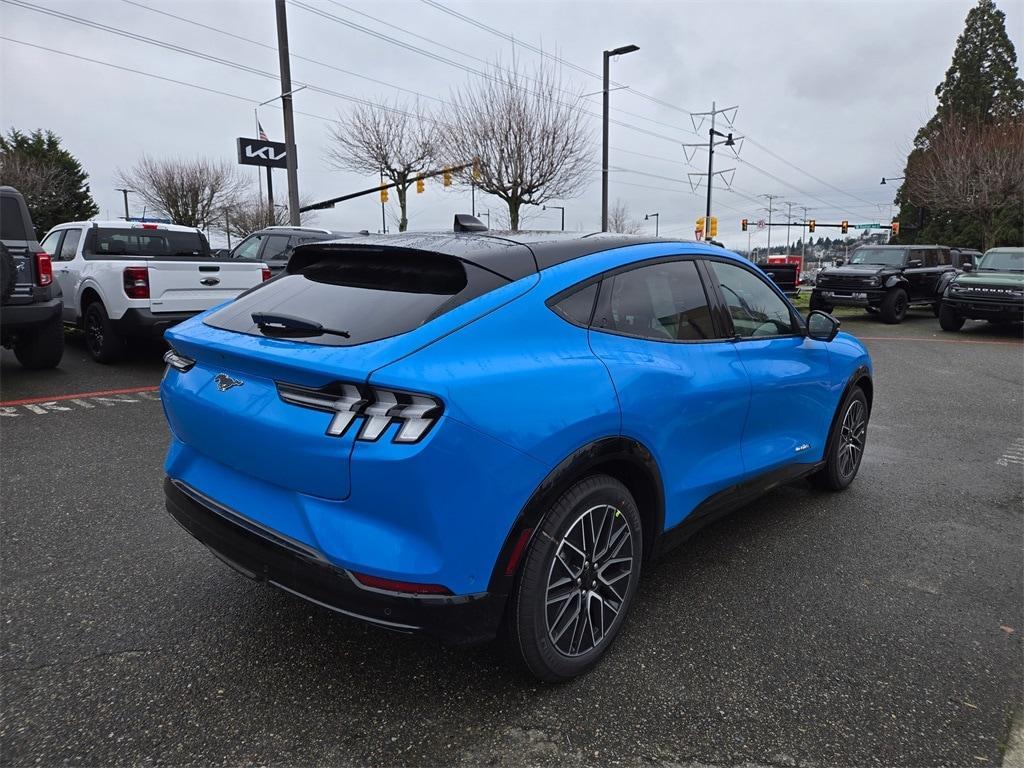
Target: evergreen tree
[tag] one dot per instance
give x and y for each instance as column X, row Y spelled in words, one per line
column 65, row 195
column 982, row 85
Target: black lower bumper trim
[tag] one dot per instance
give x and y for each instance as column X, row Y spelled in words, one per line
column 18, row 316
column 981, row 310
column 291, row 566
column 142, row 322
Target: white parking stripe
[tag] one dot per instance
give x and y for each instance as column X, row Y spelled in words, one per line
column 72, row 405
column 1013, row 455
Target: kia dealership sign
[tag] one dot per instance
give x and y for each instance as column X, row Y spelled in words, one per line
column 272, row 154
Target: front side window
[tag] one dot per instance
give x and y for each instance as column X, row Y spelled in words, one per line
column 275, row 248
column 50, row 243
column 664, row 301
column 249, row 247
column 755, row 308
column 70, row 244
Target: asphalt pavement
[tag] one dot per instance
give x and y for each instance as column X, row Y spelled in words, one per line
column 879, row 626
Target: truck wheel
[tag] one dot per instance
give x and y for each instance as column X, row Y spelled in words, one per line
column 8, row 272
column 894, row 306
column 846, row 445
column 937, row 308
column 105, row 344
column 42, row 347
column 577, row 580
column 817, row 303
column 950, row 319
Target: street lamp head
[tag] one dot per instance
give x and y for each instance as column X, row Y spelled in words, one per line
column 621, row 50
column 647, row 217
column 729, row 142
column 883, row 180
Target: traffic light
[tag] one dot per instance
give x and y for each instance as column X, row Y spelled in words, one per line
column 844, row 227
column 743, row 224
column 420, row 186
column 810, row 225
column 447, row 177
column 699, row 224
column 895, row 228
column 383, row 195
column 713, row 227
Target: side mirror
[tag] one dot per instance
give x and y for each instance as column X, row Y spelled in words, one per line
column 821, row 326
column 915, row 264
column 967, row 266
column 839, row 262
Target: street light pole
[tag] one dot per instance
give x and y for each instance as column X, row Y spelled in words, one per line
column 657, row 219
column 604, row 130
column 286, row 108
column 558, row 208
column 125, row 193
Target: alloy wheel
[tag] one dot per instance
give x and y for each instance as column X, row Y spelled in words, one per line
column 93, row 333
column 851, row 439
column 588, row 580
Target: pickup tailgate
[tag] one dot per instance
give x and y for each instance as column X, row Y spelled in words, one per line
column 194, row 286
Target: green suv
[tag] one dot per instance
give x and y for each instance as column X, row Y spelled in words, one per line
column 993, row 290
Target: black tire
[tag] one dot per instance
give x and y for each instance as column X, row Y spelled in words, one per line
column 104, row 343
column 949, row 319
column 817, row 303
column 845, row 447
column 42, row 347
column 542, row 637
column 936, row 308
column 8, row 272
column 894, row 306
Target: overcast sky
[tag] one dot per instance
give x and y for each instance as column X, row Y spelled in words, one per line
column 831, row 92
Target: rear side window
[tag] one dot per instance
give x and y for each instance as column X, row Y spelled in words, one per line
column 358, row 297
column 275, row 247
column 663, row 301
column 145, row 242
column 12, row 224
column 70, row 244
column 578, row 306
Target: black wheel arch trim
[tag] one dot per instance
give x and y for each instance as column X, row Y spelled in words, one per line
column 860, row 376
column 575, row 466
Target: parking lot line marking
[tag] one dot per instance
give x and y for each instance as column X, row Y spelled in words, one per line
column 1014, row 454
column 79, row 395
column 944, row 341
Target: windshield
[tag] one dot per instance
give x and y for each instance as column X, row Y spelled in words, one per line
column 1003, row 260
column 890, row 257
column 145, row 242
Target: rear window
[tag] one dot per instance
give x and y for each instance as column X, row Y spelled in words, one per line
column 145, row 242
column 358, row 297
column 12, row 225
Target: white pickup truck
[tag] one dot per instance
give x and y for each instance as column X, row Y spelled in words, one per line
column 124, row 279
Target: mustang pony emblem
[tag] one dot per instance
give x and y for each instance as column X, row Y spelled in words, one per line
column 225, row 382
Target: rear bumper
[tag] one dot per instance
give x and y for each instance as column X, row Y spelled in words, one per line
column 19, row 316
column 143, row 322
column 293, row 566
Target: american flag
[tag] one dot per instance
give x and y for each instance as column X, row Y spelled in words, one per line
column 263, row 134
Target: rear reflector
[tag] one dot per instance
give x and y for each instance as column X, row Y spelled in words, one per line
column 411, row 587
column 136, row 282
column 44, row 268
column 517, row 551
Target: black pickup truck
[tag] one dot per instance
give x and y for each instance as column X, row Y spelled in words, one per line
column 30, row 299
column 887, row 280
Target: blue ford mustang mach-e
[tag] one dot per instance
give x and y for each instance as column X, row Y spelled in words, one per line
column 475, row 434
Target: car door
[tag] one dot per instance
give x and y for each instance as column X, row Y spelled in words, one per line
column 67, row 269
column 791, row 402
column 923, row 276
column 682, row 389
column 276, row 249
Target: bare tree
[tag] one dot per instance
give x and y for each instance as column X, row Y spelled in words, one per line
column 250, row 212
column 35, row 178
column 526, row 134
column 194, row 192
column 620, row 221
column 970, row 168
column 383, row 138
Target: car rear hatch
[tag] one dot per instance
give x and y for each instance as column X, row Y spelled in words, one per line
column 264, row 391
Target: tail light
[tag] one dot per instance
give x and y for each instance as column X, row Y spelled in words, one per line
column 414, row 413
column 178, row 361
column 44, row 268
column 136, row 282
column 266, row 274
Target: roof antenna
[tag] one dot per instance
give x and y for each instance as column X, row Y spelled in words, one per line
column 466, row 223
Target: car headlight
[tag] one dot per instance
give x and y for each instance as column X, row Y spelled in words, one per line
column 873, row 280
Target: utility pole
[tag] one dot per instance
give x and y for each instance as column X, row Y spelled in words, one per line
column 789, row 220
column 604, row 130
column 383, row 218
column 770, row 199
column 729, row 142
column 803, row 233
column 286, row 108
column 125, row 193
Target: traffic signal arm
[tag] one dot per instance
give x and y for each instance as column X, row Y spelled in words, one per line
column 318, row 206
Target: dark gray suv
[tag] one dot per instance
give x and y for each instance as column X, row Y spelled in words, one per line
column 274, row 245
column 30, row 299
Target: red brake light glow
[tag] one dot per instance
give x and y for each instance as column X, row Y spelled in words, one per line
column 136, row 282
column 376, row 582
column 44, row 268
column 266, row 274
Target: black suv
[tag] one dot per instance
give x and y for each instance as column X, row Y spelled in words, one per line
column 274, row 245
column 886, row 279
column 30, row 299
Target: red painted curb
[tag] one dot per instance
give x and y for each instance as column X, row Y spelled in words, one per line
column 100, row 393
